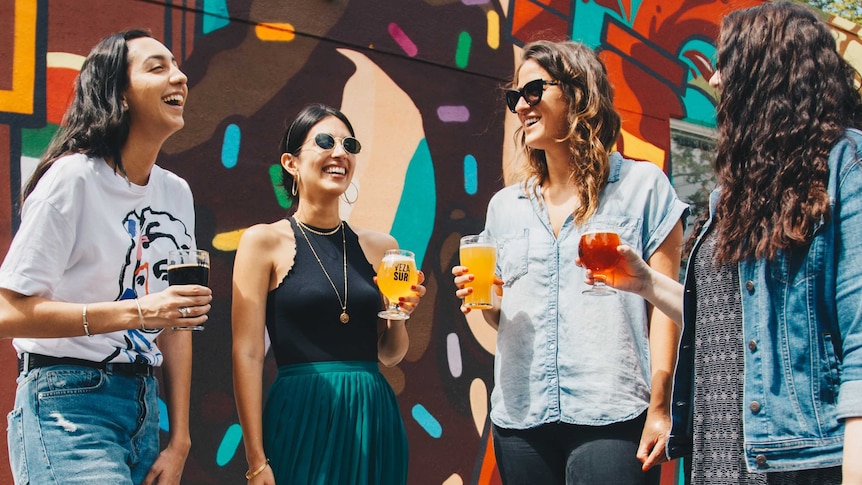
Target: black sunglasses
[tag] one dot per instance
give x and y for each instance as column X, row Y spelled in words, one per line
column 531, row 92
column 327, row 142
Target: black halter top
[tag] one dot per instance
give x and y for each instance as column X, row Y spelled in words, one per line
column 302, row 313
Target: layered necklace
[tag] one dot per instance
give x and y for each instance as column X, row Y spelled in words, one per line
column 344, row 318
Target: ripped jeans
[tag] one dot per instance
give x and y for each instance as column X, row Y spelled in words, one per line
column 77, row 425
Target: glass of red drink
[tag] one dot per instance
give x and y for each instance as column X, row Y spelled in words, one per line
column 598, row 252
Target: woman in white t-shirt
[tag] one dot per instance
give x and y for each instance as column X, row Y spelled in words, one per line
column 83, row 288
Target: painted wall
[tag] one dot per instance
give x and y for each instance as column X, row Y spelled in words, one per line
column 421, row 82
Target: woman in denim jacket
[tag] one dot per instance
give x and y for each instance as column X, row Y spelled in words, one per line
column 768, row 386
column 581, row 382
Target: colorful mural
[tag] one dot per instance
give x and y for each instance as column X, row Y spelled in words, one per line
column 421, row 80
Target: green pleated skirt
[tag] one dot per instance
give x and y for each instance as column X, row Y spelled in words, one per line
column 328, row 423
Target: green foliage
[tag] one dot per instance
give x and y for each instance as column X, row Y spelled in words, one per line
column 848, row 9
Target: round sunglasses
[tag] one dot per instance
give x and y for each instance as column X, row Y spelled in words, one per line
column 531, row 92
column 327, row 142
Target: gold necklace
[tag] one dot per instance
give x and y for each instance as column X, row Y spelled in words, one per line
column 344, row 318
column 319, row 233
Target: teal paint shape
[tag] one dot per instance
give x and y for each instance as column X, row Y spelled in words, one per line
column 471, row 175
column 588, row 20
column 276, row 177
column 698, row 108
column 230, row 146
column 164, row 421
column 414, row 218
column 215, row 15
column 229, row 444
column 462, row 52
column 428, row 422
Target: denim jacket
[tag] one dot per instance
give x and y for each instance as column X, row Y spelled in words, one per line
column 802, row 328
column 563, row 356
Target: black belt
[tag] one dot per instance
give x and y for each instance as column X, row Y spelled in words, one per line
column 29, row 361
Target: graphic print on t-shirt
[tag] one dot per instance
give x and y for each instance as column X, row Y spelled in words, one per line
column 151, row 235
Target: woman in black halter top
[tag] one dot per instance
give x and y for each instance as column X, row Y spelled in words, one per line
column 308, row 280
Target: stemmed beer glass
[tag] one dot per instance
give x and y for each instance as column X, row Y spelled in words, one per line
column 395, row 278
column 598, row 252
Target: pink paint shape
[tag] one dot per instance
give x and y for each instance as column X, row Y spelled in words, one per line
column 475, row 2
column 402, row 40
column 453, row 114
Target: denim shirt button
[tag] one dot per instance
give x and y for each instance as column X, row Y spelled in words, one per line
column 752, row 345
column 754, row 407
column 761, row 461
column 749, row 285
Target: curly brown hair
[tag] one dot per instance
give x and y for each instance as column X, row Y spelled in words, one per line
column 594, row 124
column 787, row 97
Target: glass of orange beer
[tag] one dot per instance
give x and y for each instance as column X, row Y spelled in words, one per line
column 479, row 254
column 395, row 277
column 598, row 252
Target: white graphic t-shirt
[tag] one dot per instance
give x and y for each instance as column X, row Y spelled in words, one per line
column 88, row 235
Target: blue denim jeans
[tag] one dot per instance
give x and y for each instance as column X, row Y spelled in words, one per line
column 76, row 425
column 568, row 454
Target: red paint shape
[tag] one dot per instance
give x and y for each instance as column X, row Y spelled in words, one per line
column 60, row 88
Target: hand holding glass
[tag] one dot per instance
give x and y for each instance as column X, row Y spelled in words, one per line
column 598, row 252
column 396, row 277
column 479, row 254
column 189, row 267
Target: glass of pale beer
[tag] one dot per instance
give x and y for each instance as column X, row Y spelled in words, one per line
column 598, row 252
column 395, row 278
column 189, row 267
column 479, row 254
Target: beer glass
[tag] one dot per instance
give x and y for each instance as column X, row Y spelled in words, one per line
column 598, row 252
column 479, row 254
column 189, row 267
column 395, row 278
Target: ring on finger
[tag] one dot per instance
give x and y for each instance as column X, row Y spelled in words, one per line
column 184, row 311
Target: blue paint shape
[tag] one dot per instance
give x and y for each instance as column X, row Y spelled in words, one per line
column 164, row 421
column 428, row 422
column 229, row 444
column 230, row 146
column 414, row 218
column 471, row 175
column 215, row 15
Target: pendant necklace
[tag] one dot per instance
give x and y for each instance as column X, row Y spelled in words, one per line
column 344, row 318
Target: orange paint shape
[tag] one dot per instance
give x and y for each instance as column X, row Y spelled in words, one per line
column 275, row 32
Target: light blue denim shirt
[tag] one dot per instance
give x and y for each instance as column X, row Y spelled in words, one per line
column 802, row 328
column 563, row 356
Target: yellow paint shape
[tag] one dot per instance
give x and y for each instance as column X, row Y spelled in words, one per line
column 65, row 60
column 454, row 479
column 479, row 404
column 275, row 32
column 19, row 99
column 389, row 125
column 227, row 241
column 493, row 29
column 642, row 150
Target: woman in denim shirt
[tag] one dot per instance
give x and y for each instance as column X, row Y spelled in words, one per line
column 581, row 382
column 768, row 388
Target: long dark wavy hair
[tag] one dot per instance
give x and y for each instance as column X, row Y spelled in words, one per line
column 787, row 97
column 594, row 124
column 297, row 130
column 95, row 122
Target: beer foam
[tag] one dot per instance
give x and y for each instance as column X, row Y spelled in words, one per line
column 393, row 258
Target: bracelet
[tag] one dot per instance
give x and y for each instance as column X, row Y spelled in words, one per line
column 140, row 315
column 84, row 319
column 251, row 474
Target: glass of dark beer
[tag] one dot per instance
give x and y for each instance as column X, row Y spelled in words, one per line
column 598, row 252
column 189, row 267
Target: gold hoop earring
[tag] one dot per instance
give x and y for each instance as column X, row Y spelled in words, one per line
column 293, row 188
column 344, row 195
